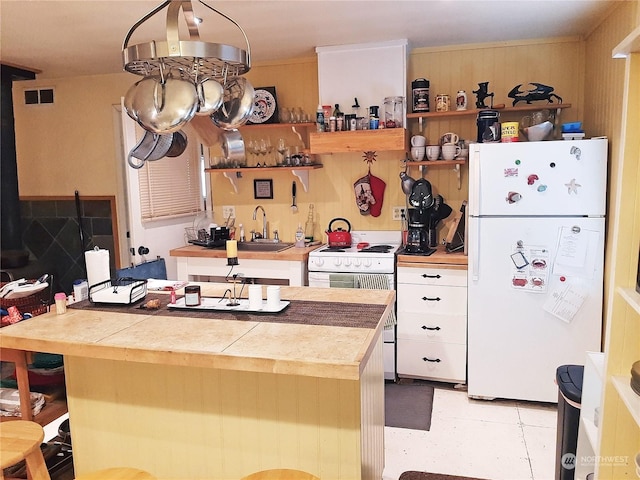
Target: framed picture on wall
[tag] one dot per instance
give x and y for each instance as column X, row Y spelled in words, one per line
column 262, row 188
column 265, row 106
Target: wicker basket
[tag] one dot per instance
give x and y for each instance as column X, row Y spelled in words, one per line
column 35, row 304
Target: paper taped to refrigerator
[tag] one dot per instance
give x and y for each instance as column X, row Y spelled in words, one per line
column 576, row 252
column 564, row 302
column 530, row 268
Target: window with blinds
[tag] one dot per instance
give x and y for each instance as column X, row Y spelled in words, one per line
column 170, row 188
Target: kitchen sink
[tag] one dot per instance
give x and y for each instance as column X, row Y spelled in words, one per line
column 263, row 246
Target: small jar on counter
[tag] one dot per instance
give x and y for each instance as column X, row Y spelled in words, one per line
column 61, row 302
column 192, row 295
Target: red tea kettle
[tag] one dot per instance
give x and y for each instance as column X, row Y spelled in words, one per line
column 339, row 237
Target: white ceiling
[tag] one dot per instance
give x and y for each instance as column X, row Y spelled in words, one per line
column 84, row 37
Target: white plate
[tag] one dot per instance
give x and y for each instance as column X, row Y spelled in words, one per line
column 220, row 305
column 264, row 106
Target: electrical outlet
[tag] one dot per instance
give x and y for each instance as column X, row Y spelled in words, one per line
column 397, row 212
column 228, row 211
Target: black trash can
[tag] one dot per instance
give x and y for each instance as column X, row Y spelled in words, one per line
column 569, row 380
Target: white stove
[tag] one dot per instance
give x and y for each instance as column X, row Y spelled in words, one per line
column 372, row 253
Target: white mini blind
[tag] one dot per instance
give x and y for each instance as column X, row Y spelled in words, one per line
column 170, row 188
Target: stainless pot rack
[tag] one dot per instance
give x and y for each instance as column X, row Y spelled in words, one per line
column 194, row 58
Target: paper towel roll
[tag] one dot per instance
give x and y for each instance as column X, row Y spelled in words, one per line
column 97, row 261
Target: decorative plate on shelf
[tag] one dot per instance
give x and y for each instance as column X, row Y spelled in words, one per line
column 265, row 106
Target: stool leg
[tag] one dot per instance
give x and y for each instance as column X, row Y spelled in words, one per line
column 36, row 466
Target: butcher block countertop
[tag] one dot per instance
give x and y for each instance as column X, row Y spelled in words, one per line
column 290, row 254
column 439, row 257
column 215, row 341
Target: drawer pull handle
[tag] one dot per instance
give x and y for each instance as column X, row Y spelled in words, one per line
column 424, row 327
column 426, row 275
column 437, row 360
column 436, row 299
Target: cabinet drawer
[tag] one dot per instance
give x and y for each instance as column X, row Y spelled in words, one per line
column 435, row 361
column 433, row 328
column 456, row 277
column 432, row 299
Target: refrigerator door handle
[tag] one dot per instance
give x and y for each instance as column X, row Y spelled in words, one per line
column 475, row 249
column 474, row 182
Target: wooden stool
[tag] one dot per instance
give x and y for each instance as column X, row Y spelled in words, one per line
column 20, row 440
column 281, row 474
column 120, row 473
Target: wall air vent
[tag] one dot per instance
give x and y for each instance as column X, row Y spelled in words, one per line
column 36, row 97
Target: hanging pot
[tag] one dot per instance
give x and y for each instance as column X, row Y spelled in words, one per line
column 232, row 147
column 236, row 105
column 339, row 237
column 164, row 106
column 178, row 144
column 210, row 96
column 152, row 146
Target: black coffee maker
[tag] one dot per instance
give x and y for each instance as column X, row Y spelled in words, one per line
column 421, row 199
column 418, row 231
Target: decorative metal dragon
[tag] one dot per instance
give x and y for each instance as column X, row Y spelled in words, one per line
column 539, row 92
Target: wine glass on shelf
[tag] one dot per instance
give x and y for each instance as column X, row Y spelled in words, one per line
column 282, row 149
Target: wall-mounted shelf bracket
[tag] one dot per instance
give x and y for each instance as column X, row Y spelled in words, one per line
column 233, row 179
column 303, row 175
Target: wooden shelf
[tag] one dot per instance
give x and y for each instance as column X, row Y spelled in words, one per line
column 233, row 174
column 439, row 163
column 474, row 111
column 436, row 163
column 630, row 44
column 278, row 125
column 257, row 169
column 383, row 139
column 628, row 396
column 631, row 296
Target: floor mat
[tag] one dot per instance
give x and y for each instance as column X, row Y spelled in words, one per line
column 432, row 476
column 408, row 405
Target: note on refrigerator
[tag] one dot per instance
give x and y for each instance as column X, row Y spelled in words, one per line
column 565, row 301
column 576, row 252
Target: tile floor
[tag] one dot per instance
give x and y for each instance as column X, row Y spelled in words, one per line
column 493, row 440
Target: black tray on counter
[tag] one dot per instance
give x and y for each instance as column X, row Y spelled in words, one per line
column 209, row 243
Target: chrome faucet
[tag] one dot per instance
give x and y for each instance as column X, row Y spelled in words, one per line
column 265, row 232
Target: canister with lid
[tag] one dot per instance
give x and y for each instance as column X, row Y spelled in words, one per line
column 420, row 95
column 393, row 112
column 488, row 122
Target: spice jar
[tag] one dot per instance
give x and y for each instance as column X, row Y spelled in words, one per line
column 61, row 302
column 192, row 295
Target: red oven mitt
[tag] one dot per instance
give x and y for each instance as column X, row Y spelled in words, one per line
column 364, row 197
column 377, row 189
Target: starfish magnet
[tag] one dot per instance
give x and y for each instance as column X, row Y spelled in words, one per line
column 572, row 186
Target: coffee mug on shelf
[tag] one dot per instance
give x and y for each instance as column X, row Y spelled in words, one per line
column 433, row 152
column 417, row 153
column 449, row 137
column 418, row 141
column 450, row 151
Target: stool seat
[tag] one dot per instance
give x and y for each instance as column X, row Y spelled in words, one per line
column 20, row 440
column 281, row 474
column 118, row 473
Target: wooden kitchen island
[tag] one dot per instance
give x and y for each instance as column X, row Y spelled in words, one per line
column 289, row 264
column 218, row 395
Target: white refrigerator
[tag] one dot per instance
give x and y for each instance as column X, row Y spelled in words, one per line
column 536, row 251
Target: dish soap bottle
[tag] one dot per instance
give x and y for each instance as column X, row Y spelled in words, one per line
column 300, row 236
column 309, row 227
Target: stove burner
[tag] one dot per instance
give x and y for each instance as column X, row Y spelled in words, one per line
column 333, row 249
column 377, row 249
